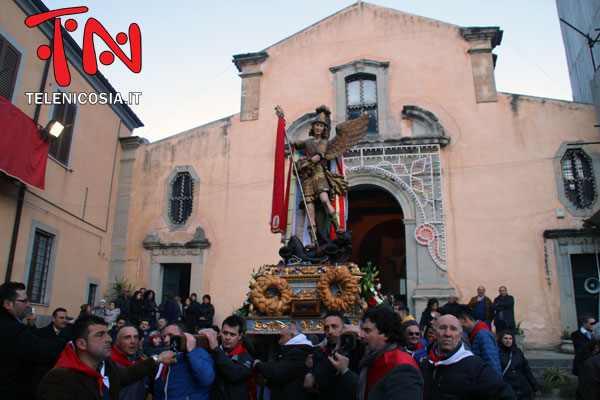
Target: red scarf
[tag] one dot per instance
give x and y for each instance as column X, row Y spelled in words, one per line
column 479, row 326
column 434, row 357
column 121, row 358
column 70, row 359
column 385, row 364
column 239, row 349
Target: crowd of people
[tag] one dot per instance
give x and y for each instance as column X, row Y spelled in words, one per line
column 135, row 348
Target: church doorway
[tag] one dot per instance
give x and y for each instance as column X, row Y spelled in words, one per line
column 176, row 279
column 376, row 221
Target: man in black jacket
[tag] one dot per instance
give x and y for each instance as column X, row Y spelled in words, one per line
column 504, row 309
column 285, row 376
column 22, row 350
column 58, row 322
column 451, row 372
column 123, row 303
column 233, row 363
column 583, row 335
column 324, row 378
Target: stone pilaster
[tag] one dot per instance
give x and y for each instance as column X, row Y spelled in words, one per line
column 482, row 41
column 249, row 67
column 118, row 245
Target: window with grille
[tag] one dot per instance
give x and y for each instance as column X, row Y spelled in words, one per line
column 361, row 97
column 181, row 198
column 578, row 178
column 9, row 68
column 40, row 263
column 60, row 147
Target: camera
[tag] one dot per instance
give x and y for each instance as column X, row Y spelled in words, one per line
column 178, row 344
column 347, row 344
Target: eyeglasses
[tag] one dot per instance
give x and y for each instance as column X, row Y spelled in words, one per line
column 413, row 333
column 24, row 301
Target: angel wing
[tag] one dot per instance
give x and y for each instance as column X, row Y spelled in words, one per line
column 347, row 135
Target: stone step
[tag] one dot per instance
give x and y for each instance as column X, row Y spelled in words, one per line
column 540, row 360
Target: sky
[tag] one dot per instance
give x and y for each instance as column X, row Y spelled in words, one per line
column 188, row 79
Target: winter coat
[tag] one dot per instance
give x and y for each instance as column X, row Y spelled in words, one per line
column 231, row 373
column 22, row 351
column 285, row 376
column 137, row 390
column 149, row 309
column 426, row 318
column 135, row 311
column 207, row 311
column 402, row 381
column 171, row 311
column 461, row 375
column 518, row 375
column 331, row 384
column 589, row 379
column 64, row 383
column 123, row 305
column 191, row 315
column 190, row 378
column 484, row 346
column 504, row 307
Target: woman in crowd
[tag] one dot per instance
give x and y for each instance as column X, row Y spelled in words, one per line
column 428, row 314
column 111, row 314
column 515, row 369
column 136, row 308
column 149, row 308
column 86, row 309
column 206, row 313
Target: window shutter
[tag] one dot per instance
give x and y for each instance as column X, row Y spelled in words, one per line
column 60, row 147
column 9, row 65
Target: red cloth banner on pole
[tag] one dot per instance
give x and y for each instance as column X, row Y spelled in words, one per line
column 278, row 207
column 23, row 150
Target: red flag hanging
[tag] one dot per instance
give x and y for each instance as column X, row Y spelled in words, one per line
column 23, row 150
column 278, row 207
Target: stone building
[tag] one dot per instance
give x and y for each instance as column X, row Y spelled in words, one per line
column 58, row 240
column 453, row 186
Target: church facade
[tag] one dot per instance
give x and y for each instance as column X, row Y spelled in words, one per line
column 455, row 184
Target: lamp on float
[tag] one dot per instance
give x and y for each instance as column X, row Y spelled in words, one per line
column 53, row 129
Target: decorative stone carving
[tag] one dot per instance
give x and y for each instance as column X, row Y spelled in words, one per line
column 153, row 241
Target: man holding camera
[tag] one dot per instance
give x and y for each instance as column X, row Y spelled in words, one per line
column 341, row 340
column 194, row 372
column 233, row 363
column 386, row 372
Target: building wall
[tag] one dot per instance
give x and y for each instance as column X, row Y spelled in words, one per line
column 78, row 202
column 499, row 185
column 586, row 18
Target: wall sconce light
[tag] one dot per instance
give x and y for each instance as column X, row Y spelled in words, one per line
column 53, row 129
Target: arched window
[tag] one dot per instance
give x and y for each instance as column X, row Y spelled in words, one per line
column 181, row 198
column 578, row 178
column 361, row 97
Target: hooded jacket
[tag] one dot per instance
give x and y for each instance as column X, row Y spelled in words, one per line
column 461, row 375
column 484, row 345
column 285, row 376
